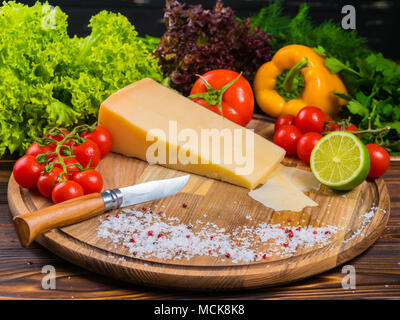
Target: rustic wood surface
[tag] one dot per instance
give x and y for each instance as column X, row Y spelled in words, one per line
column 378, row 269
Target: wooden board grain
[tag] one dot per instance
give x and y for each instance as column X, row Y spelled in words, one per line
column 228, row 206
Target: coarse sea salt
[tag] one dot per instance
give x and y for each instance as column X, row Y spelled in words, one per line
column 366, row 219
column 146, row 234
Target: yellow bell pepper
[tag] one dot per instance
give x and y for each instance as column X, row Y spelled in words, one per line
column 297, row 77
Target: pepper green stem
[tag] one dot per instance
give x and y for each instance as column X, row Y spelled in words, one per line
column 291, row 83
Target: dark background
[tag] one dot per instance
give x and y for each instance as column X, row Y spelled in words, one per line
column 378, row 21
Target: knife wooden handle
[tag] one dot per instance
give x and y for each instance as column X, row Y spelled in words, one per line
column 29, row 226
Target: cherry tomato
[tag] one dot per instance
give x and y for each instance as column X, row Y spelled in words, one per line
column 34, row 149
column 90, row 180
column 57, row 137
column 306, row 144
column 350, row 128
column 47, row 182
column 329, row 125
column 102, row 137
column 66, row 190
column 237, row 100
column 286, row 137
column 26, row 172
column 70, row 162
column 380, row 160
column 87, row 152
column 311, row 119
column 284, row 119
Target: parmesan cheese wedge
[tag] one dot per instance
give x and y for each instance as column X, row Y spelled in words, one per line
column 135, row 114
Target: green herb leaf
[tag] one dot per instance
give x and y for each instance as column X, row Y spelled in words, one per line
column 357, row 108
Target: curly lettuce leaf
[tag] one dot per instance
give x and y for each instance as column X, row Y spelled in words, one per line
column 48, row 79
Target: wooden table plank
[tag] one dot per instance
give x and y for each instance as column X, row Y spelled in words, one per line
column 377, row 269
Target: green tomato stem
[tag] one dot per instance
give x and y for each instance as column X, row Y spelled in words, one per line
column 214, row 96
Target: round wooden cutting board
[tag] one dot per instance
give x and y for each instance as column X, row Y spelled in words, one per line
column 229, row 207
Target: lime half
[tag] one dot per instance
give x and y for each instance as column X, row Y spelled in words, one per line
column 340, row 161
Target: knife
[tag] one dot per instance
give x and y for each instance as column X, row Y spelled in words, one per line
column 29, row 226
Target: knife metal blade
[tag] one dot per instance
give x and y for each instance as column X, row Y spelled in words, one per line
column 148, row 191
column 30, row 225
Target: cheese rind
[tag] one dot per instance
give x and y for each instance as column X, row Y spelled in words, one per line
column 134, row 112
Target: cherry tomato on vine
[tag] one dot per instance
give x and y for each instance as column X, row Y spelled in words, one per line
column 57, row 137
column 34, row 149
column 90, row 180
column 70, row 163
column 237, row 101
column 66, row 190
column 284, row 119
column 306, row 144
column 330, row 125
column 102, row 137
column 87, row 152
column 26, row 172
column 350, row 128
column 311, row 119
column 380, row 160
column 286, row 137
column 47, row 181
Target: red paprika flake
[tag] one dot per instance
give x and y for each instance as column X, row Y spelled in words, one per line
column 228, row 255
column 132, row 240
column 289, row 220
column 160, row 235
column 188, row 236
column 117, row 216
column 315, row 232
column 264, row 256
column 286, row 244
column 150, row 233
column 327, row 232
column 184, row 205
